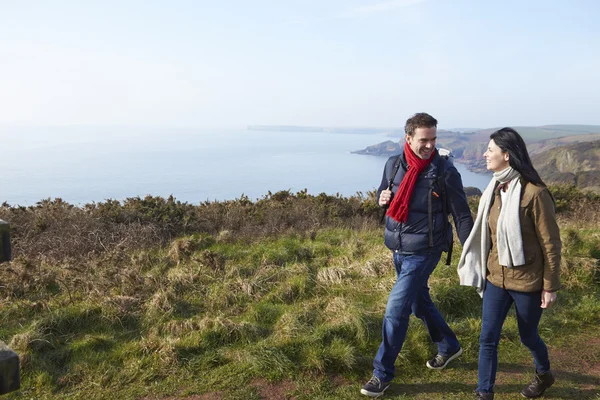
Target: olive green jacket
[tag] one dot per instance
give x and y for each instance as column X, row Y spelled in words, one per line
column 541, row 243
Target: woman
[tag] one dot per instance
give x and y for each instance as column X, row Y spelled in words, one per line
column 513, row 256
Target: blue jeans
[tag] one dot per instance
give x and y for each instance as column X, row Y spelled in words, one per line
column 496, row 303
column 410, row 294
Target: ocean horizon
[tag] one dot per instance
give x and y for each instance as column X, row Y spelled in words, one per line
column 83, row 165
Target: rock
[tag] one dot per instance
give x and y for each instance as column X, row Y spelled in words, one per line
column 5, row 249
column 472, row 191
column 9, row 370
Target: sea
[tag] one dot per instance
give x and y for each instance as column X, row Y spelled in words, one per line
column 91, row 164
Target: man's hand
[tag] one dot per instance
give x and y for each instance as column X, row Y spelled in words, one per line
column 548, row 299
column 384, row 198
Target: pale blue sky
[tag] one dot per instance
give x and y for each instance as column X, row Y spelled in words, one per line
column 228, row 63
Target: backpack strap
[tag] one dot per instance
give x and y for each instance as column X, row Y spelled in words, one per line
column 397, row 164
column 441, row 178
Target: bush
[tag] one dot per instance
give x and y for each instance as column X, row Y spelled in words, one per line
column 54, row 230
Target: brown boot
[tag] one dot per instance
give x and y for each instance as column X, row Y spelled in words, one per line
column 540, row 383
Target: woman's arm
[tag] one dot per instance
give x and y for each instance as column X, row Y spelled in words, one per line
column 548, row 233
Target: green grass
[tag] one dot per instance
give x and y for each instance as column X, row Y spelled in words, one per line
column 296, row 316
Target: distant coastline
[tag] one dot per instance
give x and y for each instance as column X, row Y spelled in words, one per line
column 297, row 128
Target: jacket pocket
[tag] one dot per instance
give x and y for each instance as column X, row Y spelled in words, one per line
column 530, row 271
column 523, row 272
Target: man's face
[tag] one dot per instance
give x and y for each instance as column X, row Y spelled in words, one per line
column 422, row 142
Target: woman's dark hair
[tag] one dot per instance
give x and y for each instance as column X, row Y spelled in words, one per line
column 512, row 143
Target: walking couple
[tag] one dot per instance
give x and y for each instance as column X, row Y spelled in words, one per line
column 511, row 253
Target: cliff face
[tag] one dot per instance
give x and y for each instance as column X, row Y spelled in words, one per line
column 472, row 156
column 577, row 164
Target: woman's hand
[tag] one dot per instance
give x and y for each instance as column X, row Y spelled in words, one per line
column 548, row 299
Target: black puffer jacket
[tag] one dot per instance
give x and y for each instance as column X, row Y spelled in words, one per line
column 413, row 236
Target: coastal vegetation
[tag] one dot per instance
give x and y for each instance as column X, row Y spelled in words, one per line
column 281, row 297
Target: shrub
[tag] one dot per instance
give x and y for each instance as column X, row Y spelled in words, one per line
column 55, row 230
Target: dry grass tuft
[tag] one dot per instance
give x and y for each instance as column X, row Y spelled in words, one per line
column 297, row 322
column 331, row 275
column 221, row 330
column 123, row 304
column 386, row 285
column 255, row 282
column 579, row 272
column 336, row 307
column 343, row 314
column 181, row 249
column 180, row 328
column 162, row 302
column 163, row 348
column 224, row 236
column 377, row 266
column 183, row 275
column 21, row 341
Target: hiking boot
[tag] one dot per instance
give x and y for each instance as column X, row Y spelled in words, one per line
column 484, row 396
column 440, row 361
column 375, row 387
column 540, row 383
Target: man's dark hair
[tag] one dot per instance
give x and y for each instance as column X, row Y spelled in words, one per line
column 512, row 143
column 419, row 120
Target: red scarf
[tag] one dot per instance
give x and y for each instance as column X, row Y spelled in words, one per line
column 399, row 208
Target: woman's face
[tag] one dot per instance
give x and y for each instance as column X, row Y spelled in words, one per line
column 495, row 159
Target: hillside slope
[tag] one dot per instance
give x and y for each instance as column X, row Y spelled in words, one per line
column 577, row 164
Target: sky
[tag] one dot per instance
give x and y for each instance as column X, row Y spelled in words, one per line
column 231, row 63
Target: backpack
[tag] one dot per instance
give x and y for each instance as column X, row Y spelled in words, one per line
column 441, row 181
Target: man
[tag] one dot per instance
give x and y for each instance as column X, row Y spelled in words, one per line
column 417, row 231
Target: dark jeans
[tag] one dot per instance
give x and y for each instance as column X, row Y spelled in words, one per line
column 410, row 294
column 496, row 303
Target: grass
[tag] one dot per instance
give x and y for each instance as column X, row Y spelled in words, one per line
column 295, row 315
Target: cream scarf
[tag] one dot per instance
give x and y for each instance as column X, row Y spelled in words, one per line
column 472, row 267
